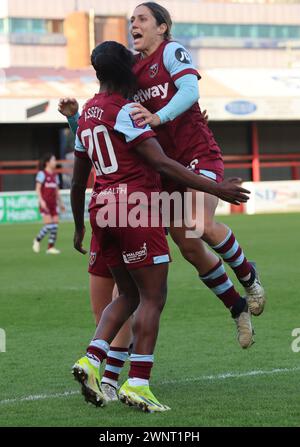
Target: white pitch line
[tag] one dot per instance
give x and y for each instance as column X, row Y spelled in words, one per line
column 231, row 375
column 228, row 375
column 38, row 397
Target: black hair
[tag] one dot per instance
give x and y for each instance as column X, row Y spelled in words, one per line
column 44, row 160
column 161, row 16
column 113, row 64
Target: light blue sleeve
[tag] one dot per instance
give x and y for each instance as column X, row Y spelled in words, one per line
column 78, row 145
column 127, row 126
column 185, row 97
column 73, row 122
column 176, row 59
column 40, row 177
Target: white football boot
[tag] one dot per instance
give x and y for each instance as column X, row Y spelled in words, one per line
column 109, row 392
column 36, row 246
column 53, row 251
column 256, row 297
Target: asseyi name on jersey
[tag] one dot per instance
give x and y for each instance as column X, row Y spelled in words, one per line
column 93, row 112
column 151, row 92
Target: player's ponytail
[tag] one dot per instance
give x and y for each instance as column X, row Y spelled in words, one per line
column 113, row 65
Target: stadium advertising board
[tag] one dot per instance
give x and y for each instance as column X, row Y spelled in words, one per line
column 19, row 207
column 273, row 197
column 16, row 207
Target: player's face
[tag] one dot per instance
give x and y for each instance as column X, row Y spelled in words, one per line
column 147, row 35
column 52, row 162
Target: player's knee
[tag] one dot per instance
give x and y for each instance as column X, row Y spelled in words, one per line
column 155, row 299
column 130, row 292
column 132, row 298
column 209, row 230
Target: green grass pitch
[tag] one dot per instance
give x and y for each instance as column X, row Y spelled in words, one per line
column 200, row 371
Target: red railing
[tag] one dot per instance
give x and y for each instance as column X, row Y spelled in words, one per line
column 291, row 160
column 26, row 167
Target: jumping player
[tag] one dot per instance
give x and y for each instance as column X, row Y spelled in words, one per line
column 168, row 87
column 47, row 189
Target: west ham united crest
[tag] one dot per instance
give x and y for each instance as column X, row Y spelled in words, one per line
column 153, row 70
column 93, row 256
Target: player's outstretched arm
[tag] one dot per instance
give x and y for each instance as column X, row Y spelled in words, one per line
column 82, row 169
column 229, row 190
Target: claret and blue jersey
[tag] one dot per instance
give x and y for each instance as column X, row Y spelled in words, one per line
column 168, row 86
column 107, row 135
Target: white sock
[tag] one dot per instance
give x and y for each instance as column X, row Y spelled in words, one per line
column 135, row 381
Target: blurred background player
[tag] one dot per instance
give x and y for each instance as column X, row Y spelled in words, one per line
column 134, row 255
column 47, row 189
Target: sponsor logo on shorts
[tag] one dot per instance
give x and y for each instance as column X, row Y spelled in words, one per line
column 135, row 256
column 153, row 70
column 93, row 256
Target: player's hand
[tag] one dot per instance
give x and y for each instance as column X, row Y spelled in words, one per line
column 62, row 208
column 78, row 239
column 205, row 116
column 142, row 116
column 68, row 106
column 231, row 191
column 43, row 205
